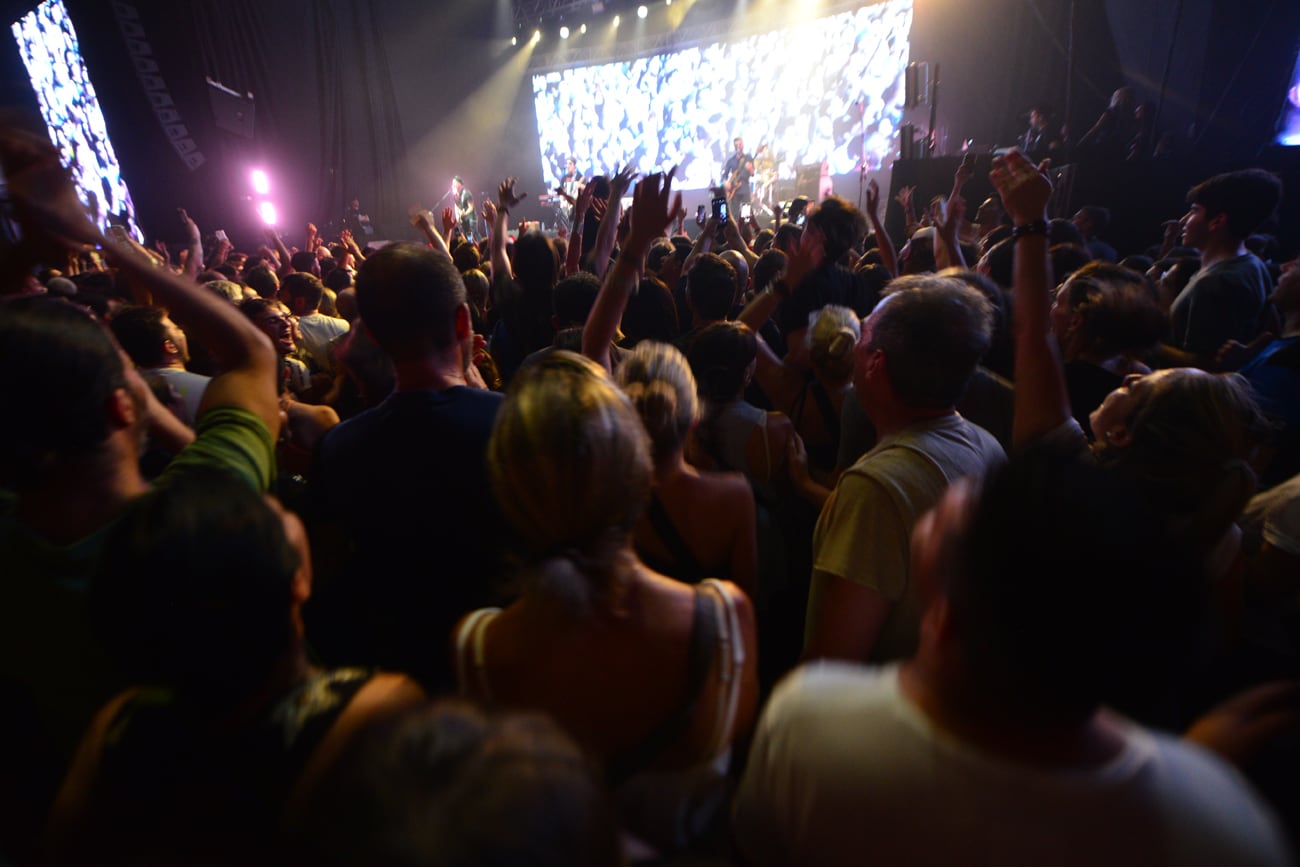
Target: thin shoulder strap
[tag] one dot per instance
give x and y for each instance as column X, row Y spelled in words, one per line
column 470, row 637
column 673, row 540
column 767, row 453
column 699, row 660
column 731, row 664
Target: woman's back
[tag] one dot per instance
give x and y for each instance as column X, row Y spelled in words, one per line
column 700, row 524
column 624, row 683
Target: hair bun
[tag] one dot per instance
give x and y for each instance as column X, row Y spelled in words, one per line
column 841, row 345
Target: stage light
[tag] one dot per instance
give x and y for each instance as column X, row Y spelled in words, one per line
column 616, row 20
column 261, row 183
column 642, row 12
column 514, row 40
column 267, row 210
column 564, row 32
column 668, row 2
column 582, row 29
column 537, row 36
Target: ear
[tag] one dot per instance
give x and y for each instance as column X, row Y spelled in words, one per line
column 464, row 322
column 122, row 409
column 1218, row 223
column 1119, row 436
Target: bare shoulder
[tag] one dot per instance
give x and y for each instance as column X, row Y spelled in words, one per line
column 730, row 487
column 736, row 596
column 385, row 692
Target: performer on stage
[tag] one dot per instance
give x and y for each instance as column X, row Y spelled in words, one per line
column 570, row 184
column 463, row 203
column 735, row 176
column 572, row 181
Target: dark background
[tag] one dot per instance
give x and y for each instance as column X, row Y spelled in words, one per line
column 384, row 100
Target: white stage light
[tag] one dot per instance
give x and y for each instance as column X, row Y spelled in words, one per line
column 642, row 12
column 268, row 212
column 564, row 32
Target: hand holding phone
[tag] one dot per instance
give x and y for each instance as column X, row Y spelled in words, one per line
column 720, row 209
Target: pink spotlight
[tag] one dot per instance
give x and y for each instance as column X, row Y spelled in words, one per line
column 261, row 183
column 269, row 215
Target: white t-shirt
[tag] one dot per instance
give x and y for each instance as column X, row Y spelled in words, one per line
column 316, row 331
column 1274, row 515
column 190, row 386
column 846, row 770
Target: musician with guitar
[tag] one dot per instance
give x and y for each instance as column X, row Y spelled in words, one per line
column 736, row 173
column 462, row 201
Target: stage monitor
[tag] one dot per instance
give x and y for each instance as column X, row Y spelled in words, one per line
column 828, row 90
column 48, row 45
column 1289, row 129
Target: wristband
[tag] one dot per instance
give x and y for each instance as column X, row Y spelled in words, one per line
column 1037, row 227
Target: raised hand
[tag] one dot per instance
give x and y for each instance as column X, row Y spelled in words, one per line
column 45, row 203
column 904, row 196
column 598, row 207
column 621, row 182
column 965, row 171
column 449, row 218
column 507, row 198
column 654, row 208
column 191, row 228
column 952, row 216
column 490, row 212
column 1024, row 188
column 583, row 203
column 873, row 199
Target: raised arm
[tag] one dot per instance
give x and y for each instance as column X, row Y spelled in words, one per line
column 46, row 204
column 423, row 221
column 654, row 207
column 1042, row 403
column 904, row 198
column 608, row 232
column 193, row 244
column 507, row 198
column 573, row 260
column 948, row 252
column 884, row 244
column 281, row 250
column 736, row 241
column 703, row 244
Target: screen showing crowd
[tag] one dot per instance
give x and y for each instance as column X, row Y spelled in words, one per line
column 49, row 48
column 827, row 90
column 1289, row 134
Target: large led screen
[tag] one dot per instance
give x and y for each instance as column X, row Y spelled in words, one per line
column 49, row 48
column 829, row 89
column 1289, row 134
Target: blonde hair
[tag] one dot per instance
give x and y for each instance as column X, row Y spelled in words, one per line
column 569, row 463
column 833, row 332
column 659, row 382
column 1191, row 436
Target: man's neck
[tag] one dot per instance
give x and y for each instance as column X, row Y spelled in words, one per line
column 894, row 420
column 433, row 373
column 952, row 703
column 1221, row 251
column 80, row 497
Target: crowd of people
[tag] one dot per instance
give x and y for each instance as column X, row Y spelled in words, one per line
column 775, row 544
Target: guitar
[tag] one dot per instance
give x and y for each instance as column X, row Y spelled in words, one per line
column 739, row 177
